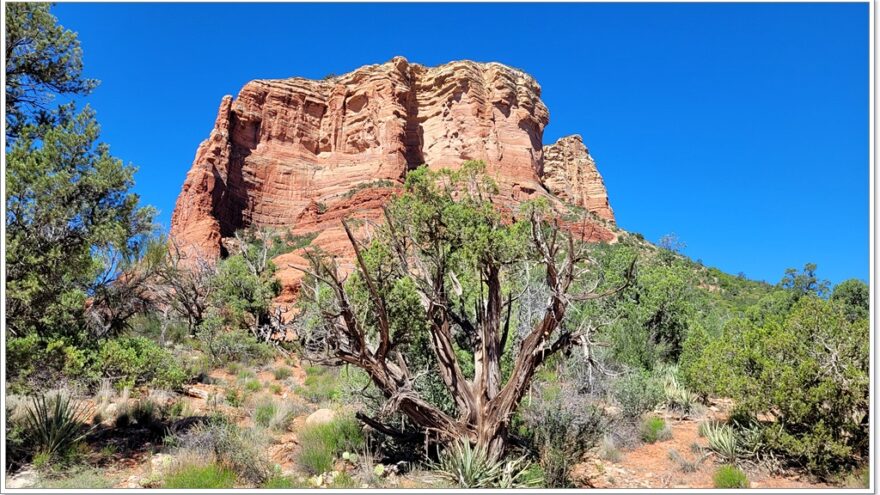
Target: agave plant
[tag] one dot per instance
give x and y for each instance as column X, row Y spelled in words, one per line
column 723, row 441
column 678, row 398
column 53, row 425
column 465, row 466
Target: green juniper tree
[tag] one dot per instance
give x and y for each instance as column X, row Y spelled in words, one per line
column 435, row 288
column 43, row 59
column 72, row 223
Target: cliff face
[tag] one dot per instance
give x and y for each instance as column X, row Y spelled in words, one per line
column 571, row 175
column 300, row 154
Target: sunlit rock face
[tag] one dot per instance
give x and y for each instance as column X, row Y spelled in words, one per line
column 300, row 155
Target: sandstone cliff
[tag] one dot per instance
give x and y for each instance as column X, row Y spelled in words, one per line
column 571, row 175
column 300, row 155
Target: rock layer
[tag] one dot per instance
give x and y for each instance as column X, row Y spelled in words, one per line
column 571, row 175
column 301, row 154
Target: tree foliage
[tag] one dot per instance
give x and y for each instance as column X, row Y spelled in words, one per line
column 74, row 229
column 446, row 253
column 808, row 370
column 43, row 59
column 70, row 217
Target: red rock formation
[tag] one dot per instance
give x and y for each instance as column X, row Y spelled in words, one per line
column 301, row 154
column 571, row 175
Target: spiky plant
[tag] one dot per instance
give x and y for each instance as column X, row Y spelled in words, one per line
column 704, row 426
column 53, row 426
column 723, row 441
column 466, row 466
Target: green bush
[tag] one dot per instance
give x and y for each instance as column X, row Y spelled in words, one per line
column 253, row 386
column 562, row 425
column 243, row 451
column 270, row 414
column 227, row 346
column 694, row 346
column 245, row 374
column 320, row 444
column 34, row 363
column 290, row 243
column 368, row 185
column 234, row 397
column 282, row 372
column 637, row 393
column 809, row 370
column 137, row 361
column 730, row 477
column 196, row 476
column 654, row 430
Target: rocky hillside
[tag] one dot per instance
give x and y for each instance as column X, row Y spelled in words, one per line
column 299, row 155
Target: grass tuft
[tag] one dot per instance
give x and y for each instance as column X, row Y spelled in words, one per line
column 200, row 476
column 654, row 430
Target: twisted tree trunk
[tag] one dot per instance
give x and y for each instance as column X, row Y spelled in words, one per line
column 484, row 405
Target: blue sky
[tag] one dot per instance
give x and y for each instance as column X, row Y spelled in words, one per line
column 742, row 128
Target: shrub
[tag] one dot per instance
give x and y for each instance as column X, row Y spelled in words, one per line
column 234, row 397
column 320, row 444
column 562, row 425
column 290, row 243
column 241, row 450
column 253, row 386
column 53, row 427
column 269, row 414
column 282, row 373
column 145, row 412
column 608, row 450
column 464, row 466
column 654, row 430
column 233, row 346
column 368, row 185
column 730, row 477
column 638, row 393
column 320, row 385
column 200, row 476
column 687, row 465
column 277, row 481
column 136, row 361
column 677, row 398
column 234, row 368
column 809, row 370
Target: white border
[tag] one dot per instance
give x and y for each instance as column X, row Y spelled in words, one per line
column 873, row 291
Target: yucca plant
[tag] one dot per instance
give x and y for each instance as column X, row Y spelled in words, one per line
column 703, row 427
column 53, row 425
column 723, row 441
column 678, row 398
column 465, row 466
